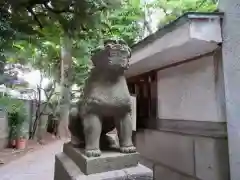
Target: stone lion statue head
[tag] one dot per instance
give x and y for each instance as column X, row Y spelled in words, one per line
column 115, row 55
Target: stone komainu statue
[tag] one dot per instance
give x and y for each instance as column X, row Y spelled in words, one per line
column 105, row 103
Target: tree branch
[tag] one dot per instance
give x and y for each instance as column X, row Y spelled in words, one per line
column 201, row 4
column 40, row 113
column 57, row 11
column 35, row 17
column 97, row 10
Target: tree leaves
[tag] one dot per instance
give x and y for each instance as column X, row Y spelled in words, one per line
column 88, row 23
column 172, row 9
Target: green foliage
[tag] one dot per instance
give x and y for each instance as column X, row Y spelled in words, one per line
column 172, row 9
column 16, row 114
column 13, row 124
column 6, row 33
column 44, row 51
column 87, row 22
column 13, row 105
column 124, row 23
column 11, row 29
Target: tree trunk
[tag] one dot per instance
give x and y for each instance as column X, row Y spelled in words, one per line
column 38, row 111
column 2, row 65
column 44, row 113
column 66, row 73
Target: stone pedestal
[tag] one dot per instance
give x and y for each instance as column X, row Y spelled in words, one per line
column 72, row 164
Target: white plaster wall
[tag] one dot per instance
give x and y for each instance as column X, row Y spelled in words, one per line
column 188, row 92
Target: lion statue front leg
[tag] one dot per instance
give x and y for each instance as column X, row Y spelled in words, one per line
column 124, row 128
column 92, row 127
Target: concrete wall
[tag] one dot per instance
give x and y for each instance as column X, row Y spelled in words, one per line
column 175, row 156
column 3, row 128
column 188, row 92
column 188, row 139
column 231, row 66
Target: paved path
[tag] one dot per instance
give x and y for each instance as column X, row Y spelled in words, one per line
column 37, row 165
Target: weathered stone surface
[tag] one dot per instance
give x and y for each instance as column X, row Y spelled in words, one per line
column 162, row 173
column 66, row 169
column 106, row 102
column 3, row 128
column 170, row 149
column 109, row 160
column 199, row 128
column 3, row 143
column 193, row 156
column 146, row 162
column 231, row 66
column 211, row 158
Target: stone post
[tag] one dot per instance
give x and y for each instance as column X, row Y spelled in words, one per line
column 231, row 68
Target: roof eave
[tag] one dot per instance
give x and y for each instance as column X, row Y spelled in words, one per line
column 173, row 25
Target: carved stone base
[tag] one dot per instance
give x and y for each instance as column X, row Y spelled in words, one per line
column 108, row 161
column 66, row 169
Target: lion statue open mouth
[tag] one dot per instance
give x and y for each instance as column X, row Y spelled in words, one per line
column 106, row 102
